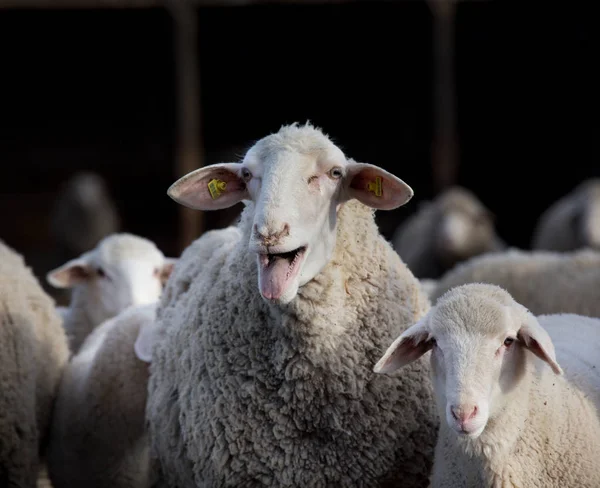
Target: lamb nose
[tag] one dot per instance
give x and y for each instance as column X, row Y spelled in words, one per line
column 463, row 412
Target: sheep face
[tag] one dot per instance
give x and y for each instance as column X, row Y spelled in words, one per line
column 296, row 179
column 479, row 338
column 591, row 222
column 118, row 273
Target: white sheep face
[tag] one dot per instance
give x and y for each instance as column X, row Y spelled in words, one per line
column 479, row 338
column 297, row 179
column 123, row 270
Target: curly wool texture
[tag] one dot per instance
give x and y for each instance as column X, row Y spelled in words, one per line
column 245, row 394
column 544, row 282
column 33, row 353
column 99, row 437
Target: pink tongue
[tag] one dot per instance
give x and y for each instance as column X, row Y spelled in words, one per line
column 273, row 278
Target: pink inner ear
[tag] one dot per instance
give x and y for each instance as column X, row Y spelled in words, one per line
column 364, row 183
column 193, row 190
column 406, row 352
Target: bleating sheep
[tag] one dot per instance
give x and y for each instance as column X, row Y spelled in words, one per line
column 33, row 354
column 451, row 228
column 84, row 214
column 265, row 377
column 122, row 270
column 99, row 437
column 544, row 282
column 572, row 222
column 508, row 418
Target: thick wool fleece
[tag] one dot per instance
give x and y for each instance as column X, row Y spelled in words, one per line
column 33, row 353
column 544, row 282
column 98, row 436
column 246, row 394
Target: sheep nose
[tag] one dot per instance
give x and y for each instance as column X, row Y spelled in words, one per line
column 269, row 235
column 464, row 412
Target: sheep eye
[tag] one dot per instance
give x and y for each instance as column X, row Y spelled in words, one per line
column 336, row 173
column 246, row 175
column 508, row 341
column 433, row 342
column 156, row 272
column 100, row 272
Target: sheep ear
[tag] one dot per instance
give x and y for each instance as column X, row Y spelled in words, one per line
column 167, row 269
column 538, row 341
column 210, row 188
column 145, row 341
column 408, row 347
column 70, row 274
column 375, row 187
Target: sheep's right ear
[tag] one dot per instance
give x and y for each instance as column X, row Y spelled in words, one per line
column 408, row 347
column 167, row 269
column 70, row 274
column 538, row 341
column 213, row 187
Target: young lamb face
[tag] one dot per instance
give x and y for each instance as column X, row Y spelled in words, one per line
column 297, row 179
column 123, row 270
column 479, row 338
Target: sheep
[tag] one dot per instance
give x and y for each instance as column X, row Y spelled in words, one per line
column 505, row 418
column 429, row 286
column 98, row 436
column 264, row 374
column 84, row 214
column 572, row 222
column 122, row 270
column 33, row 354
column 545, row 282
column 450, row 229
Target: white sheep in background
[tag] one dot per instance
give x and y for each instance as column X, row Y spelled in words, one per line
column 33, row 354
column 99, row 437
column 452, row 228
column 572, row 222
column 508, row 418
column 122, row 270
column 264, row 374
column 544, row 282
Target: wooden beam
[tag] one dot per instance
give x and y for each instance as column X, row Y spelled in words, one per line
column 445, row 150
column 189, row 147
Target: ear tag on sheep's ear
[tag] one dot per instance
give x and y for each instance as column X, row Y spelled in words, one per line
column 216, row 187
column 375, row 186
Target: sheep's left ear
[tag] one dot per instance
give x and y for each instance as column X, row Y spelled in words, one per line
column 375, row 187
column 167, row 269
column 538, row 341
column 408, row 347
column 145, row 341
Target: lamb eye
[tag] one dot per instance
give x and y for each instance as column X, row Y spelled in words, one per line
column 156, row 272
column 100, row 272
column 508, row 341
column 336, row 173
column 246, row 175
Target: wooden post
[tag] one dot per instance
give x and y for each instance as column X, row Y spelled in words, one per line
column 445, row 150
column 189, row 147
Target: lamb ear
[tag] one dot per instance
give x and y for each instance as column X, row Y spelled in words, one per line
column 538, row 341
column 70, row 274
column 408, row 347
column 210, row 188
column 375, row 187
column 145, row 341
column 167, row 269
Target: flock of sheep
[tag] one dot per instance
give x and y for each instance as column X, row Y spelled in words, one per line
column 299, row 348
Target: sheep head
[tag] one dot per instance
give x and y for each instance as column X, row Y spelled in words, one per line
column 297, row 179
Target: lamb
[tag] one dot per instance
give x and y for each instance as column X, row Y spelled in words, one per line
column 33, row 354
column 508, row 416
column 572, row 222
column 98, row 436
column 122, row 270
column 450, row 229
column 264, row 376
column 545, row 282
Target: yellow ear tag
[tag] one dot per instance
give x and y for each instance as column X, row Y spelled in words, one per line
column 375, row 186
column 216, row 187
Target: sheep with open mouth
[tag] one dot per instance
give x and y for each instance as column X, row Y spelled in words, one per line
column 272, row 385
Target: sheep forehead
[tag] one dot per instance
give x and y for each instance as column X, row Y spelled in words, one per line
column 300, row 145
column 480, row 312
column 460, row 200
column 118, row 248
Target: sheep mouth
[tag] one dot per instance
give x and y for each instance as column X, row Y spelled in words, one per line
column 276, row 271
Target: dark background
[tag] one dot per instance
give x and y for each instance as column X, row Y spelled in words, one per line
column 96, row 90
